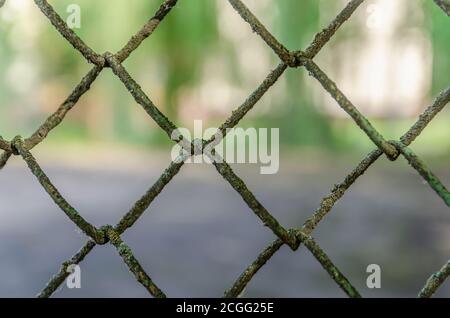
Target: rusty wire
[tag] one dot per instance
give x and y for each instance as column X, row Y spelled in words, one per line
column 291, row 237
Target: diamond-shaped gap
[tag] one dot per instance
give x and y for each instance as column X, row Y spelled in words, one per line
column 293, row 192
column 288, row 104
column 197, row 234
column 387, row 218
column 203, row 77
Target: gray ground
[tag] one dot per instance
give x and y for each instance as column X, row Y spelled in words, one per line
column 198, row 236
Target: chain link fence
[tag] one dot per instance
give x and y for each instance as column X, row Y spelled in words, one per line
column 294, row 237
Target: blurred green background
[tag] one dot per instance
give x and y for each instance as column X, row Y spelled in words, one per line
column 203, row 61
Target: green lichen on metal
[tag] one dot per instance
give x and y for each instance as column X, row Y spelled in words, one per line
column 61, row 276
column 145, row 31
column 69, row 34
column 444, row 5
column 283, row 53
column 328, row 265
column 325, row 35
column 133, row 264
column 5, row 145
column 143, row 203
column 435, row 281
column 426, row 117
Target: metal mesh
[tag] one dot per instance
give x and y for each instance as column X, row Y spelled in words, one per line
column 292, row 237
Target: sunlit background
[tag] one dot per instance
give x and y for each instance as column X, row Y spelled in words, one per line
column 391, row 59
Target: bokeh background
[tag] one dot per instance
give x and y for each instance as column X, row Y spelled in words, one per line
column 391, row 59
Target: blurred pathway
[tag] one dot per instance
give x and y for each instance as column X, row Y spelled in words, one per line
column 198, row 236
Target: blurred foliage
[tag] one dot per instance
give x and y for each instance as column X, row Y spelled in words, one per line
column 438, row 27
column 296, row 30
column 174, row 58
